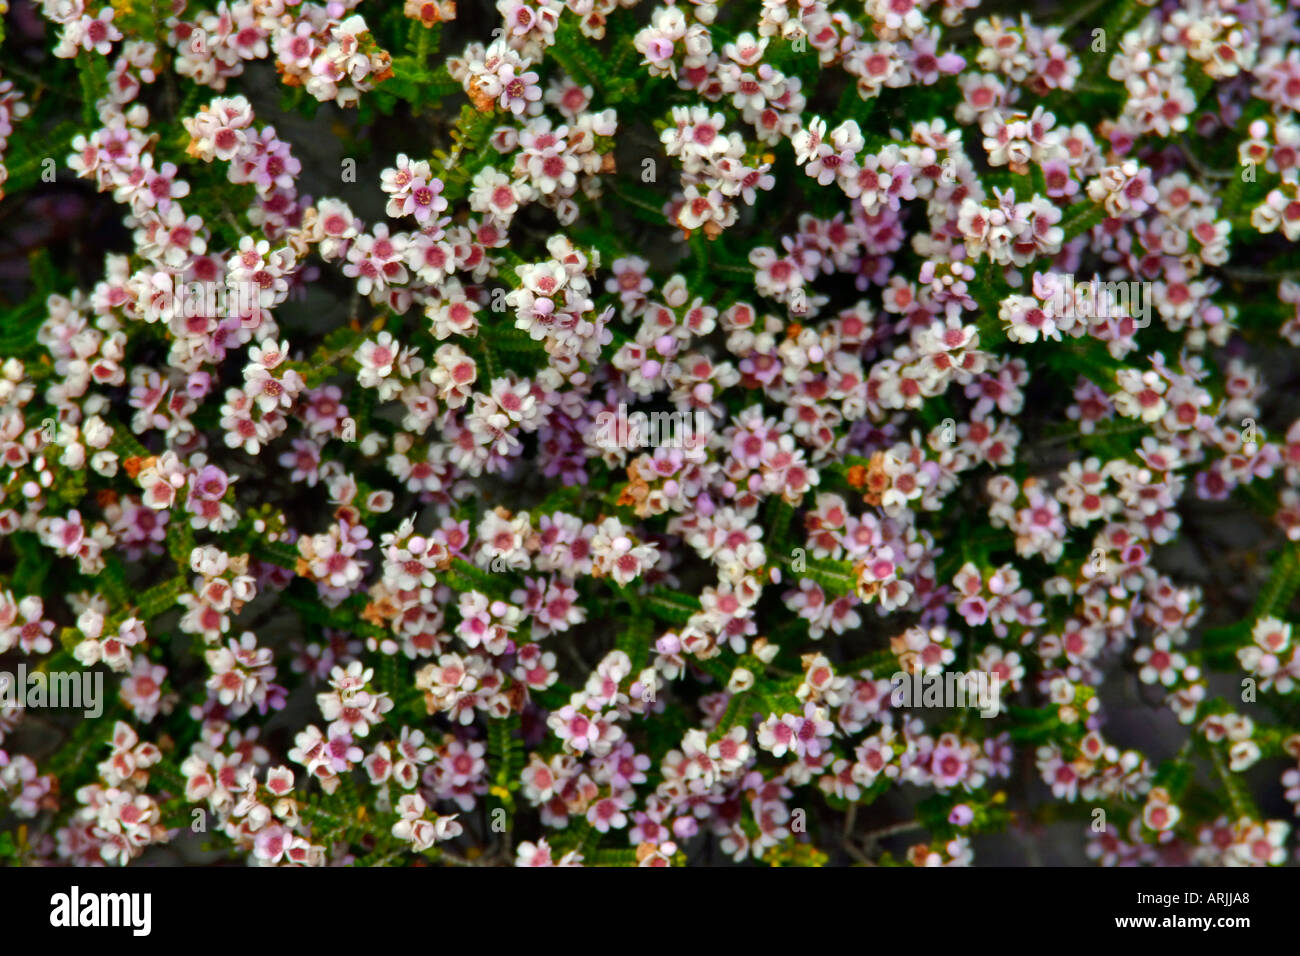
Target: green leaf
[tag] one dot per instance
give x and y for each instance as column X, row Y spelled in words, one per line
column 505, row 753
column 463, row 576
column 162, row 597
column 1082, row 217
column 671, row 606
column 635, row 642
column 93, row 72
column 180, row 539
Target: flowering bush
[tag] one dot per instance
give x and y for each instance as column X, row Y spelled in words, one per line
column 957, row 325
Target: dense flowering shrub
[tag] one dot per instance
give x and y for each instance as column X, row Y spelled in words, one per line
column 647, row 392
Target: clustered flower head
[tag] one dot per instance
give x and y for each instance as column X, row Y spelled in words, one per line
column 577, row 486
